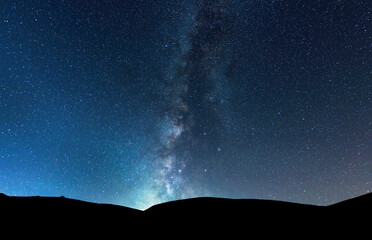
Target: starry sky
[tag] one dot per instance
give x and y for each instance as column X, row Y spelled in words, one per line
column 139, row 102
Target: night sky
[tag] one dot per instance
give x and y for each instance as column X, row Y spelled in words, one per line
column 138, row 102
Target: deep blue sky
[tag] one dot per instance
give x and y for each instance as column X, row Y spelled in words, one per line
column 140, row 102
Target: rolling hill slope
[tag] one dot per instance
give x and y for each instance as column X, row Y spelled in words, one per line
column 200, row 216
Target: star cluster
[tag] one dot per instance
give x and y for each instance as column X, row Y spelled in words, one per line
column 141, row 102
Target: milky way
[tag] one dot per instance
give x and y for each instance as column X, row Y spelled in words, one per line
column 141, row 102
column 192, row 80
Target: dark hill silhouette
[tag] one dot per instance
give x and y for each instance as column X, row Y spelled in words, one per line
column 266, row 216
column 197, row 216
column 64, row 217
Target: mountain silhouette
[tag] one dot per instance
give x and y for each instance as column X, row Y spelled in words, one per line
column 204, row 216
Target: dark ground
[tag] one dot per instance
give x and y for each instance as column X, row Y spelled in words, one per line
column 199, row 217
